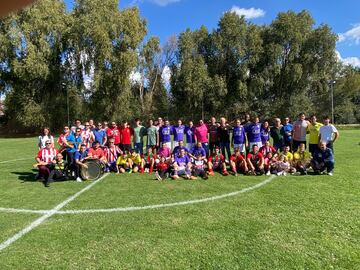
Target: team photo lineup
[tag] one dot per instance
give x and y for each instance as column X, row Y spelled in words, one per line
column 85, row 152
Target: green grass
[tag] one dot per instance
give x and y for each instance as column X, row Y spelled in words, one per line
column 310, row 222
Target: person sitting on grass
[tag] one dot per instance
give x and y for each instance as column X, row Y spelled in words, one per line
column 238, row 163
column 96, row 152
column 269, row 152
column 112, row 152
column 255, row 161
column 281, row 166
column 123, row 162
column 163, row 169
column 199, row 168
column 135, row 161
column 323, row 159
column 216, row 162
column 302, row 160
column 58, row 170
column 79, row 158
column 182, row 166
column 44, row 159
column 148, row 161
column 198, row 150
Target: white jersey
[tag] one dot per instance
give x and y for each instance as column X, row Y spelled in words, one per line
column 43, row 139
column 327, row 132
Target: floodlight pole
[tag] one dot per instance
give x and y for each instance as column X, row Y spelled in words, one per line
column 332, row 101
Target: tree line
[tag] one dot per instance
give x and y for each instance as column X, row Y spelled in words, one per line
column 86, row 58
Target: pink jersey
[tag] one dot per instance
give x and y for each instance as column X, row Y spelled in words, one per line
column 164, row 152
column 47, row 155
column 112, row 153
column 87, row 137
column 201, row 133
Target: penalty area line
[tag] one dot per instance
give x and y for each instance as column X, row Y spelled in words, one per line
column 46, row 216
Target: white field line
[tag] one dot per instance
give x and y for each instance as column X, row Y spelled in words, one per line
column 46, row 216
column 18, row 159
column 136, row 208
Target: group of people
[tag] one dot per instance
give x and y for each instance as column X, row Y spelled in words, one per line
column 190, row 150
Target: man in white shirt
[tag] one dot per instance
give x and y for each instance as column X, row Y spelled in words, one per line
column 328, row 133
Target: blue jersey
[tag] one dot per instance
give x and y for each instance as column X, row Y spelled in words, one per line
column 264, row 134
column 288, row 128
column 189, row 132
column 176, row 151
column 75, row 141
column 323, row 156
column 80, row 155
column 100, row 135
column 165, row 132
column 195, row 151
column 178, row 132
column 238, row 135
column 182, row 161
column 254, row 132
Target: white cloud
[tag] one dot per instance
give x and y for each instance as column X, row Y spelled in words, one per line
column 352, row 61
column 161, row 3
column 352, row 35
column 249, row 13
column 166, row 76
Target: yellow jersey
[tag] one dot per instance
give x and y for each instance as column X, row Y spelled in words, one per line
column 313, row 130
column 302, row 156
column 288, row 156
column 136, row 159
column 122, row 160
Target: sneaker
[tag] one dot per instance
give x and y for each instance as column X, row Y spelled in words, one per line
column 284, row 173
column 268, row 173
column 167, row 175
column 130, row 171
column 78, row 179
column 225, row 173
column 279, row 173
column 206, row 177
column 330, row 174
column 235, row 174
column 146, row 170
column 297, row 173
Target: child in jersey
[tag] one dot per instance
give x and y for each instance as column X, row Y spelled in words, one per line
column 123, row 162
column 216, row 162
column 135, row 161
column 148, row 161
column 238, row 163
column 199, row 168
column 163, row 169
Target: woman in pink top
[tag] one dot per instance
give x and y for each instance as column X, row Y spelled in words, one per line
column 201, row 135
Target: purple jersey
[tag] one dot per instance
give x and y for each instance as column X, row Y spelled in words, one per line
column 178, row 132
column 195, row 151
column 264, row 134
column 182, row 161
column 189, row 132
column 176, row 151
column 254, row 132
column 165, row 132
column 238, row 135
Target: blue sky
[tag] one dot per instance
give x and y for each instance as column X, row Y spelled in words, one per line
column 168, row 17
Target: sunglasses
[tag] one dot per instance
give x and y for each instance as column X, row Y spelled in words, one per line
column 48, row 143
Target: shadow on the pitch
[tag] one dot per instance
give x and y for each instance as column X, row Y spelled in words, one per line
column 26, row 176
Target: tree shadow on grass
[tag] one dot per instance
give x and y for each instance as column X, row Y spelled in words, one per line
column 29, row 176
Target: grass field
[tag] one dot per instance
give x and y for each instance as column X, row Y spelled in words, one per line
column 310, row 222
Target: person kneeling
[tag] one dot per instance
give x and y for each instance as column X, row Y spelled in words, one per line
column 58, row 170
column 255, row 161
column 216, row 162
column 123, row 162
column 302, row 160
column 199, row 168
column 182, row 166
column 238, row 163
column 163, row 169
column 323, row 159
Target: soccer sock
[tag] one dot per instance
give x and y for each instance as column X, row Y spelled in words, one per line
column 151, row 169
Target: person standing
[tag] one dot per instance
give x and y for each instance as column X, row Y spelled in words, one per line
column 265, row 129
column 139, row 133
column 151, row 139
column 76, row 126
column 44, row 137
column 201, row 135
column 165, row 134
column 223, row 132
column 253, row 133
column 299, row 131
column 313, row 129
column 286, row 132
column 178, row 132
column 100, row 135
column 239, row 138
column 328, row 133
column 87, row 135
column 113, row 132
column 125, row 134
column 275, row 133
column 190, row 135
column 213, row 136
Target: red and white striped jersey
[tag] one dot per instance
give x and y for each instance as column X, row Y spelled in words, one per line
column 47, row 155
column 112, row 153
column 87, row 137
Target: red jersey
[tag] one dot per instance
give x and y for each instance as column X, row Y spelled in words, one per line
column 148, row 158
column 266, row 150
column 87, row 137
column 162, row 166
column 126, row 135
column 255, row 158
column 213, row 133
column 61, row 138
column 96, row 153
column 237, row 159
column 216, row 159
column 113, row 133
column 47, row 155
column 112, row 153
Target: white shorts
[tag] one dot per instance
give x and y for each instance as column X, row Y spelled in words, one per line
column 253, row 143
column 189, row 146
column 168, row 144
column 240, row 146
